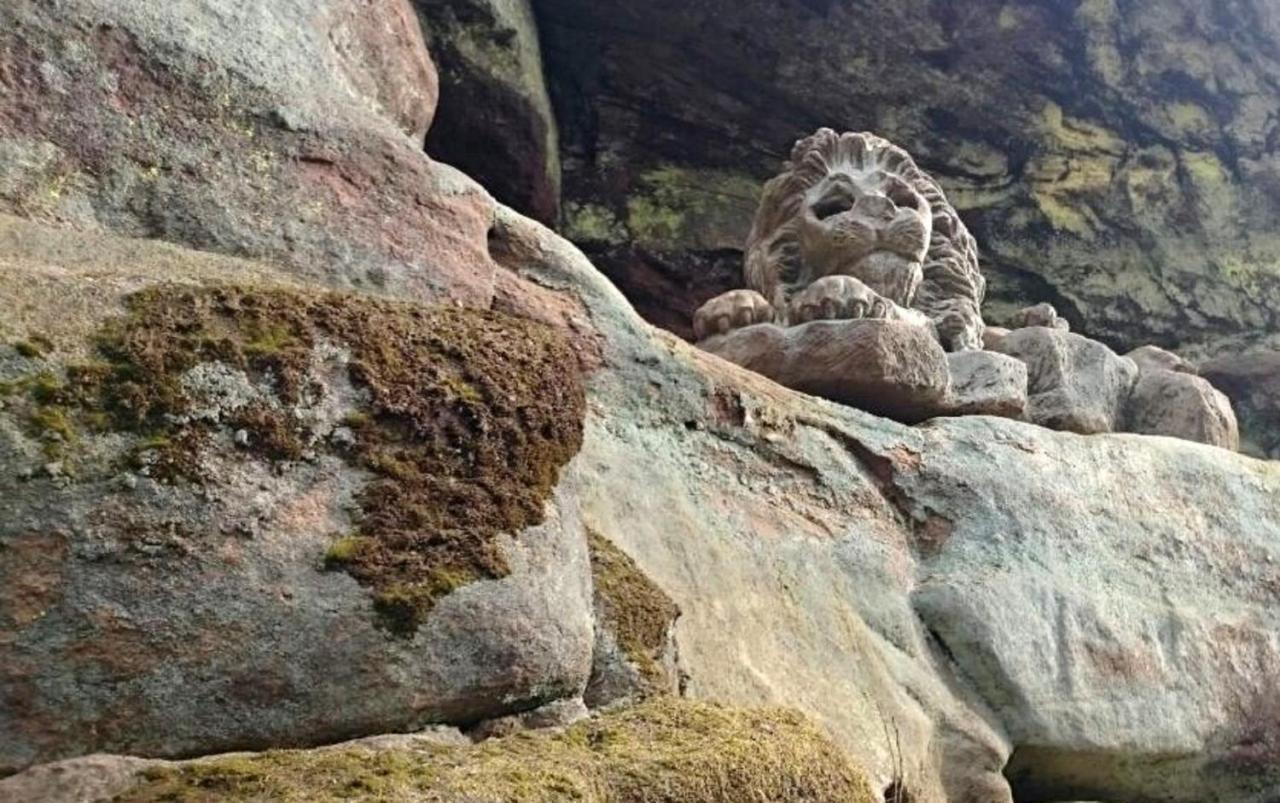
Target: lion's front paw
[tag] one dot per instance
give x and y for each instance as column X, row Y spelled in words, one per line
column 836, row 298
column 732, row 310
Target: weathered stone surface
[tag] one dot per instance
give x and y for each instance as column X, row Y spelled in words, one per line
column 1058, row 583
column 1073, row 383
column 1128, row 640
column 495, row 121
column 942, row 598
column 1252, row 382
column 986, row 383
column 890, row 368
column 381, row 52
column 165, row 592
column 1181, row 405
column 269, row 130
column 1117, row 160
column 992, row 336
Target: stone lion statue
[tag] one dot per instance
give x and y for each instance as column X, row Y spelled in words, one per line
column 854, row 229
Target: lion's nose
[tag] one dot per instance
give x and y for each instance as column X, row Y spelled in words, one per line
column 875, row 206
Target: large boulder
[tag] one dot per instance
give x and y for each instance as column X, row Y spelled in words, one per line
column 1117, row 160
column 819, row 554
column 1180, row 405
column 890, row 368
column 986, row 383
column 238, row 513
column 1097, row 607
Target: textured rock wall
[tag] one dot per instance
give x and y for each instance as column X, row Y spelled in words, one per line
column 1118, row 159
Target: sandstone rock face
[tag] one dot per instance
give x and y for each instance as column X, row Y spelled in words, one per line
column 1097, row 616
column 1116, row 160
column 1179, row 405
column 495, row 121
column 381, row 51
column 822, row 555
column 1074, row 383
column 890, row 368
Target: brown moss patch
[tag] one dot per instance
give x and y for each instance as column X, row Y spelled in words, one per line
column 667, row 751
column 637, row 611
column 471, row 416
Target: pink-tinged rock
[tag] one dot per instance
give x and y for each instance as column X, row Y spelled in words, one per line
column 1073, row 383
column 379, row 47
column 279, row 134
column 992, row 336
column 889, row 368
column 1180, row 405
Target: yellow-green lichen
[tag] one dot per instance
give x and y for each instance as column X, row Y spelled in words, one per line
column 593, row 223
column 674, row 207
column 344, row 550
column 665, row 751
column 1098, row 19
column 1186, row 119
column 1074, row 134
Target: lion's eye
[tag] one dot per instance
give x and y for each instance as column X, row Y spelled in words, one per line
column 835, row 201
column 902, row 195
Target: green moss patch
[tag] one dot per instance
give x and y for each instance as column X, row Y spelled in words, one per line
column 637, row 612
column 666, row 751
column 34, row 347
column 470, row 417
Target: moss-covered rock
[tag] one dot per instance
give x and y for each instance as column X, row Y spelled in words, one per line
column 468, row 419
column 206, row 439
column 668, row 751
column 635, row 652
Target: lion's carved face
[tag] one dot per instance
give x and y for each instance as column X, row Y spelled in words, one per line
column 857, row 205
column 868, row 224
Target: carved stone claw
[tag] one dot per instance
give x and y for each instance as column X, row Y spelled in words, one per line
column 732, row 310
column 834, row 298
